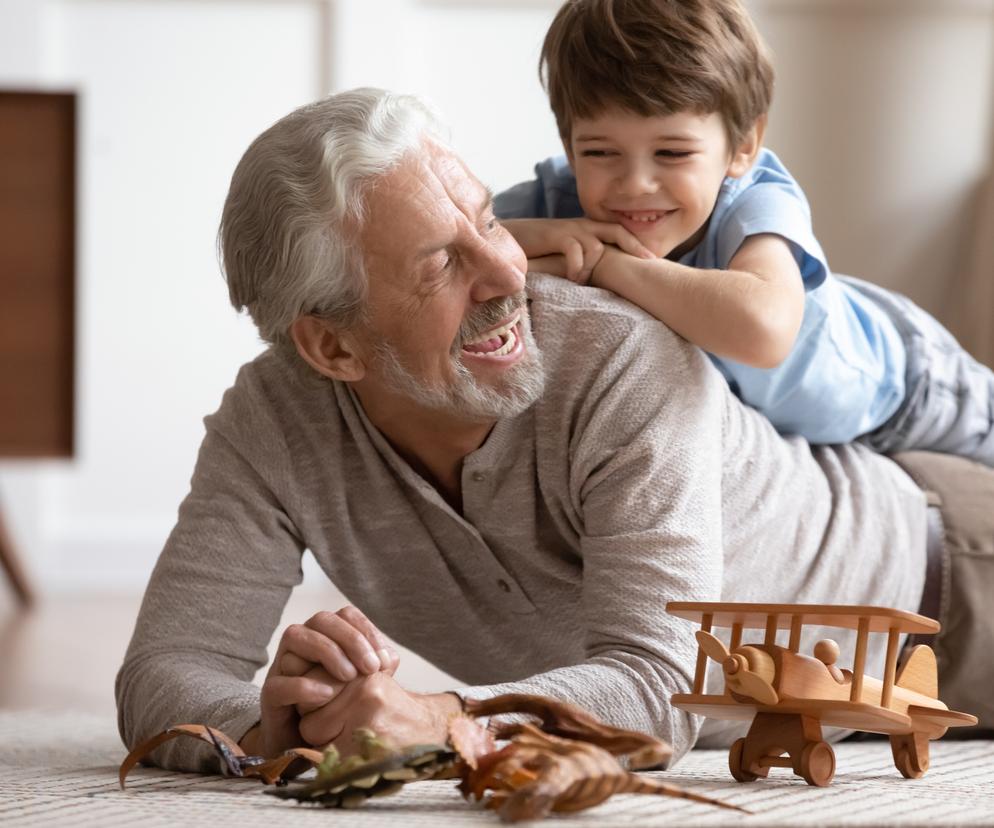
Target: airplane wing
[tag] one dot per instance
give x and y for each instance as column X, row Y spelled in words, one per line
column 831, row 713
column 929, row 719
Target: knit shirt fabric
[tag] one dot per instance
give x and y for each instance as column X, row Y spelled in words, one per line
column 637, row 479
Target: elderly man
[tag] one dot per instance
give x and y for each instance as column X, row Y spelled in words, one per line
column 510, row 477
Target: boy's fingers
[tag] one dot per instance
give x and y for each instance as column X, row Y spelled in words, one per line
column 573, row 251
column 554, row 265
column 620, row 237
column 630, row 244
column 593, row 249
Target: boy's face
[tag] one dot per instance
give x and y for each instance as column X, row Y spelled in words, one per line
column 656, row 176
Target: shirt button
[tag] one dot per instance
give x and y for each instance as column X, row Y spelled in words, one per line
column 479, row 477
column 504, row 585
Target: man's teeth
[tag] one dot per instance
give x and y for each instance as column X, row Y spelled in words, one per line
column 507, row 346
column 498, row 333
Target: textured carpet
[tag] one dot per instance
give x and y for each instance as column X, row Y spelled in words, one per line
column 61, row 769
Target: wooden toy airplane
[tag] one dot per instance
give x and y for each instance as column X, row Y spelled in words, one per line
column 790, row 696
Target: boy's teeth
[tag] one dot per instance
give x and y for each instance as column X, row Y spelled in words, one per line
column 642, row 216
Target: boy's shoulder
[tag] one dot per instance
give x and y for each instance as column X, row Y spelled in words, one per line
column 765, row 199
column 551, row 194
column 767, row 170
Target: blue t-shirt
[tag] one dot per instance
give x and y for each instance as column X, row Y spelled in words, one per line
column 844, row 376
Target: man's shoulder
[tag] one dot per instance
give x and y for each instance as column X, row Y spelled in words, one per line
column 560, row 299
column 270, row 394
column 581, row 329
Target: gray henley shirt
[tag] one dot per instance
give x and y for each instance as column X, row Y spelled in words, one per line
column 637, row 479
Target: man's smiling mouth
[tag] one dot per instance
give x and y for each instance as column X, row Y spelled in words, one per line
column 497, row 342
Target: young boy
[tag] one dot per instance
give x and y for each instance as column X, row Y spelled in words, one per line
column 667, row 197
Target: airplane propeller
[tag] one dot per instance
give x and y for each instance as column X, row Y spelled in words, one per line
column 738, row 676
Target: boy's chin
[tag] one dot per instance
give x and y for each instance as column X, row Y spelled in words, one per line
column 661, row 249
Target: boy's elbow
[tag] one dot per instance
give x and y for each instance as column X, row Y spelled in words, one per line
column 768, row 342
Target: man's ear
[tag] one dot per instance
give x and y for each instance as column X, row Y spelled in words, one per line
column 326, row 349
column 745, row 153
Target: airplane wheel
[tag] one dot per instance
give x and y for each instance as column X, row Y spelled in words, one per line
column 818, row 764
column 910, row 755
column 739, row 774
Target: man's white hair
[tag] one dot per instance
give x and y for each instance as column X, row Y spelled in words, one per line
column 296, row 203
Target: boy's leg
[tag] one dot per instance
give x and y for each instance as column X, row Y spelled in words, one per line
column 949, row 396
column 964, row 647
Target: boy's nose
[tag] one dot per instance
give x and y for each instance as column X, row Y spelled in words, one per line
column 638, row 179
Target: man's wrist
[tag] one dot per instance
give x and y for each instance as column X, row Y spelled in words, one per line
column 443, row 707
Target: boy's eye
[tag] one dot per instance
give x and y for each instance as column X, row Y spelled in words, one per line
column 673, row 153
column 596, row 153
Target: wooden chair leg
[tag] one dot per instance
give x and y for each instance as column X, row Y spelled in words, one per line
column 12, row 566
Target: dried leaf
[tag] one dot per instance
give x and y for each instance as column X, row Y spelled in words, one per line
column 572, row 722
column 469, row 739
column 234, row 762
column 548, row 773
column 355, row 779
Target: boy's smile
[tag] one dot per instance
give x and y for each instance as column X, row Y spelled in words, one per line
column 657, row 176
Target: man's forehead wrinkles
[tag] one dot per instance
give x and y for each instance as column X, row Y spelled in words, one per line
column 468, row 195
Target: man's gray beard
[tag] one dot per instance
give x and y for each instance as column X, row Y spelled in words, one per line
column 520, row 387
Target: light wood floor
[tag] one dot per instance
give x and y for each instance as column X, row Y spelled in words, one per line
column 64, row 653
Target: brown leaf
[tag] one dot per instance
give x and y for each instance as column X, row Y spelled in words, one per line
column 469, row 740
column 572, row 722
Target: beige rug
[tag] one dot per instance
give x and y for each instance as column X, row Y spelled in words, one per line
column 61, row 769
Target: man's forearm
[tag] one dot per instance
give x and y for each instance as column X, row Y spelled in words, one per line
column 251, row 742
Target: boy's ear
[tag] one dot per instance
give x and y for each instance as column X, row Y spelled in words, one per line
column 745, row 153
column 326, row 349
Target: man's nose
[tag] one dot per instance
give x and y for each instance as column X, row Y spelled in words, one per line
column 500, row 271
column 638, row 178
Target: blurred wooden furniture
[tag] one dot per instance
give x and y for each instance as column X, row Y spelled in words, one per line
column 37, row 285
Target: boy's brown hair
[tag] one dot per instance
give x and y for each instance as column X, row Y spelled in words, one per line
column 656, row 57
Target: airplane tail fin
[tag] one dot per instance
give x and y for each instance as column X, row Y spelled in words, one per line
column 919, row 672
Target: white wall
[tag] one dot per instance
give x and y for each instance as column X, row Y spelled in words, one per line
column 172, row 91
column 883, row 111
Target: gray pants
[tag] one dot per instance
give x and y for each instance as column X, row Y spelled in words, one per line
column 964, row 645
column 949, row 396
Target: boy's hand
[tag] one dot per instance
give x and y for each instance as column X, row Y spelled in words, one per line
column 611, row 261
column 579, row 241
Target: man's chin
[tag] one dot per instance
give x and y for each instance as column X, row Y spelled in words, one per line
column 473, row 393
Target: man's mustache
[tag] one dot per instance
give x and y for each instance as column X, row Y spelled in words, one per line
column 487, row 317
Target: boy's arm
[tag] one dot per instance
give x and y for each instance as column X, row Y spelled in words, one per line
column 581, row 241
column 750, row 313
